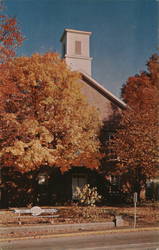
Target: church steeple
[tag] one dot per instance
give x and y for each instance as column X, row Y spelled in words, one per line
column 76, row 49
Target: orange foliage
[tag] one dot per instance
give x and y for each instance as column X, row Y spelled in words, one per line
column 136, row 142
column 45, row 120
column 10, row 37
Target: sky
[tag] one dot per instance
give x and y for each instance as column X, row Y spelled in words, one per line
column 124, row 32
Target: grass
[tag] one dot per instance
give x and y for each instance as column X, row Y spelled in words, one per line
column 147, row 215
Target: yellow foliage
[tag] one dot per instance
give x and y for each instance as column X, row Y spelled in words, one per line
column 50, row 121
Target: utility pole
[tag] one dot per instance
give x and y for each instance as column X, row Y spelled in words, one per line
column 135, row 201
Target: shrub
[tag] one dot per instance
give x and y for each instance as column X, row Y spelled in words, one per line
column 87, row 196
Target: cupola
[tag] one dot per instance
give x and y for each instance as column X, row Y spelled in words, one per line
column 76, row 50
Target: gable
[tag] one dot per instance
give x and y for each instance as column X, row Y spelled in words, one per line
column 102, row 104
column 105, row 102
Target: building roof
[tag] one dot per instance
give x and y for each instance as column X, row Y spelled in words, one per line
column 103, row 91
column 75, row 31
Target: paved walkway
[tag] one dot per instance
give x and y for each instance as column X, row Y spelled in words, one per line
column 59, row 228
column 22, row 232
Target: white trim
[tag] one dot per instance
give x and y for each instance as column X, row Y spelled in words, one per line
column 75, row 31
column 78, row 57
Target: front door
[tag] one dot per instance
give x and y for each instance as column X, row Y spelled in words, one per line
column 78, row 180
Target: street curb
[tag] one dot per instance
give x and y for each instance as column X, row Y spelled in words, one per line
column 24, row 231
column 128, row 230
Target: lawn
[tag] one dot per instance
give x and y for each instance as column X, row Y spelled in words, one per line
column 147, row 215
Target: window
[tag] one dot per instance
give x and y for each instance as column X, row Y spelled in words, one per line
column 42, row 178
column 78, row 47
column 114, row 184
column 78, row 180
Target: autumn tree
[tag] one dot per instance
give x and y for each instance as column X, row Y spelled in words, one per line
column 44, row 119
column 10, row 36
column 135, row 144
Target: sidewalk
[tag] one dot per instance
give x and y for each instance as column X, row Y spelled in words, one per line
column 22, row 232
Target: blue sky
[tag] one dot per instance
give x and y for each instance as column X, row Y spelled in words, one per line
column 124, row 32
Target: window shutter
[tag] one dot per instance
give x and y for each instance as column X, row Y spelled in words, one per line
column 78, row 47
